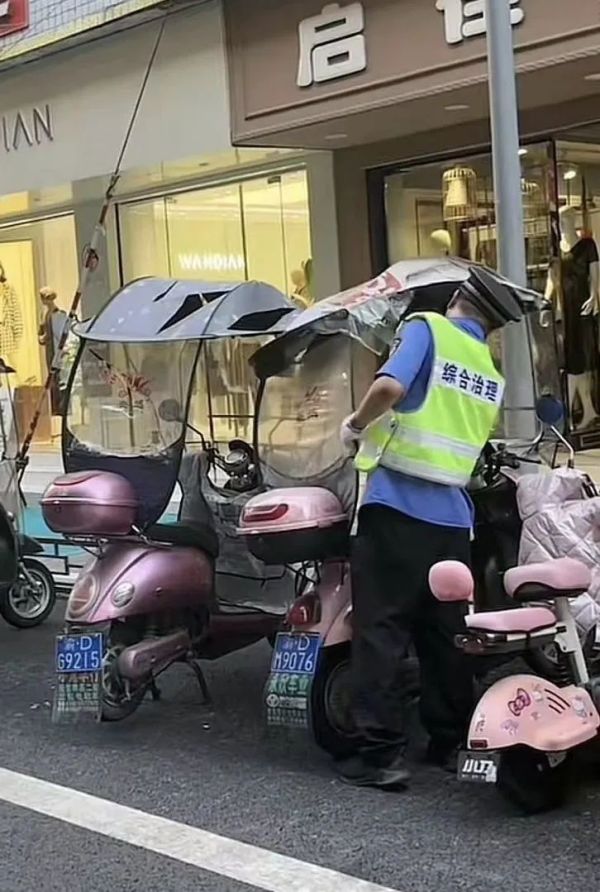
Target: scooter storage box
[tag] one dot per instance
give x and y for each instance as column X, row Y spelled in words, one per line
column 290, row 526
column 90, row 503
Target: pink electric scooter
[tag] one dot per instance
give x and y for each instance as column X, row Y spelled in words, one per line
column 525, row 728
column 312, row 376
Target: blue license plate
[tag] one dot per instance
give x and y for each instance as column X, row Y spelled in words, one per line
column 296, row 652
column 79, row 653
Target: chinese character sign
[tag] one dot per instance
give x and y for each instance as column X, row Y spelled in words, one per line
column 332, row 44
column 14, row 16
column 466, row 18
column 458, row 377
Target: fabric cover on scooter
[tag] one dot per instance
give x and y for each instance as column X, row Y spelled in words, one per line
column 186, row 535
column 560, row 519
column 242, row 580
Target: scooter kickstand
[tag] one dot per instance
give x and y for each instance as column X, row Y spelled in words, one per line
column 155, row 691
column 197, row 670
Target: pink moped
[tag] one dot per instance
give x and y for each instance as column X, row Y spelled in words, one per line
column 525, row 728
column 153, row 594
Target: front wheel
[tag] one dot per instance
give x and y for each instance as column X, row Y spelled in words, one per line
column 533, row 781
column 31, row 599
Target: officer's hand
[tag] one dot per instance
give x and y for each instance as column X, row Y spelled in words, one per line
column 350, row 436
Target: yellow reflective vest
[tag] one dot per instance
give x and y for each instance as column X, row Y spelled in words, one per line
column 442, row 440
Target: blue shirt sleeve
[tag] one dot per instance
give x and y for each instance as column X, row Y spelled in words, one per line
column 407, row 360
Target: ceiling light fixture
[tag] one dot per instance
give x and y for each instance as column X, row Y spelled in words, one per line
column 570, row 173
column 459, row 106
column 333, row 136
column 523, row 152
column 592, row 77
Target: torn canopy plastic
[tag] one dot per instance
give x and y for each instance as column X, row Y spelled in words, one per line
column 175, row 310
column 371, row 313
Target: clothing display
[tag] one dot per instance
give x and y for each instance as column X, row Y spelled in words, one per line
column 581, row 338
column 50, row 333
column 11, row 320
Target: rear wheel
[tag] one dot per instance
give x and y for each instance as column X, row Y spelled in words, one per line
column 551, row 663
column 120, row 697
column 31, row 599
column 331, row 701
column 533, row 781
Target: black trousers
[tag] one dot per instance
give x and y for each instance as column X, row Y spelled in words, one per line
column 393, row 606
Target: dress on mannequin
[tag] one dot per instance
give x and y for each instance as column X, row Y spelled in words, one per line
column 11, row 322
column 579, row 287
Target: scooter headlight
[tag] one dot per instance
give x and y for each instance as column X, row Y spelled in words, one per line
column 123, row 594
column 82, row 596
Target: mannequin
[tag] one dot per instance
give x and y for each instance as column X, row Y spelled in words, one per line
column 49, row 334
column 575, row 287
column 11, row 322
column 302, row 285
column 442, row 242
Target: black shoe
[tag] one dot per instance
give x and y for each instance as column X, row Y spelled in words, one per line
column 444, row 756
column 359, row 773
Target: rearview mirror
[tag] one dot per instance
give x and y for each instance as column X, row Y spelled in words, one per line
column 549, row 410
column 170, row 410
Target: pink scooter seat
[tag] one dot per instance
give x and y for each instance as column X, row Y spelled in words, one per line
column 521, row 620
column 560, row 578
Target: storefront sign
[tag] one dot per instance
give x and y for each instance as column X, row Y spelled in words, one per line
column 214, row 263
column 466, row 18
column 26, row 128
column 14, row 16
column 332, row 44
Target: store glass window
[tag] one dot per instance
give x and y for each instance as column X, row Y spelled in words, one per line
column 35, row 256
column 256, row 229
column 448, row 208
column 574, row 284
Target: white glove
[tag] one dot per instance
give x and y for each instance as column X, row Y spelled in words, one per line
column 590, row 307
column 350, row 436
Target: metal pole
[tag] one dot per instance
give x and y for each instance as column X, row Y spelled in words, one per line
column 510, row 232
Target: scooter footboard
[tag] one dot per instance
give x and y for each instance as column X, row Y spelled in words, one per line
column 526, row 710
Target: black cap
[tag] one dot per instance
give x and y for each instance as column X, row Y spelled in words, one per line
column 492, row 296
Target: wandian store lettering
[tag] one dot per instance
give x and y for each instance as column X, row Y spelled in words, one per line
column 26, row 128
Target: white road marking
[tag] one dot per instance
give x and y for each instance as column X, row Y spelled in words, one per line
column 226, row 857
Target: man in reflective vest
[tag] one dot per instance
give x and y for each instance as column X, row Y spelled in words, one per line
column 418, row 434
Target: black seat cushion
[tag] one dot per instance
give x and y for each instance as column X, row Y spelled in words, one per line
column 538, row 592
column 186, row 535
column 27, row 545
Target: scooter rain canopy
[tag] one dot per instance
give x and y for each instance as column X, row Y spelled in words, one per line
column 371, row 313
column 176, row 310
